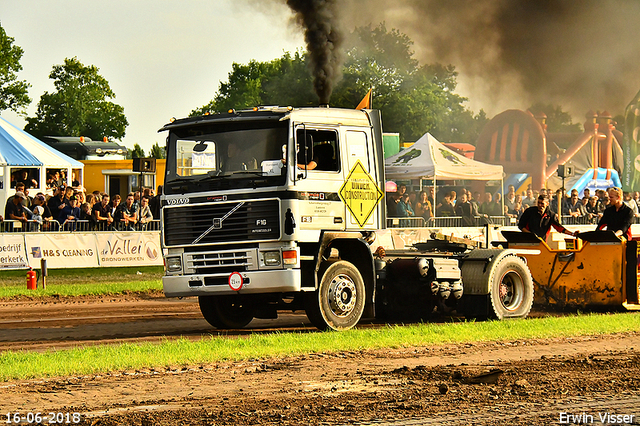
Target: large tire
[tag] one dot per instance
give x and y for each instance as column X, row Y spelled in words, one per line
column 511, row 289
column 226, row 312
column 500, row 288
column 339, row 302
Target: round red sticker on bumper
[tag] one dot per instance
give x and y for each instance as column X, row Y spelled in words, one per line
column 235, row 281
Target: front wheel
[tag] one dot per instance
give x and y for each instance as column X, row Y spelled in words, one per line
column 339, row 302
column 226, row 312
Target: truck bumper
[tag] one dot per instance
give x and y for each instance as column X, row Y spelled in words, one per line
column 275, row 281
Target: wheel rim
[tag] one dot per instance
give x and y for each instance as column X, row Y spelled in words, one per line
column 511, row 290
column 342, row 295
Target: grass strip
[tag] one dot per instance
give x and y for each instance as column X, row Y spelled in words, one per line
column 84, row 275
column 16, row 365
column 85, row 281
column 82, row 289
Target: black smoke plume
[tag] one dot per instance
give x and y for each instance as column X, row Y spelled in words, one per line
column 512, row 53
column 324, row 39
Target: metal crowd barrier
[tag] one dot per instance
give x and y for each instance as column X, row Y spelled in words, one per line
column 69, row 226
column 449, row 222
column 578, row 220
column 405, row 222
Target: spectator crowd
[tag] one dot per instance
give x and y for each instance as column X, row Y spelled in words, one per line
column 70, row 208
column 475, row 208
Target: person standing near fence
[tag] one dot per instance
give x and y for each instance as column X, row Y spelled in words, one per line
column 446, row 208
column 154, row 203
column 465, row 210
column 127, row 214
column 574, row 206
column 405, row 209
column 14, row 210
column 145, row 213
column 58, row 202
column 102, row 214
column 70, row 214
column 424, row 208
column 489, row 208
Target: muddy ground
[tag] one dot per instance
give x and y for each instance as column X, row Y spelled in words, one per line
column 530, row 382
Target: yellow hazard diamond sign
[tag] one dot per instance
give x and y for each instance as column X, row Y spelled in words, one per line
column 360, row 193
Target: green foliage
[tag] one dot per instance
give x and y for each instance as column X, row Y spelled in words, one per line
column 283, row 81
column 13, row 93
column 557, row 119
column 136, row 152
column 80, row 106
column 414, row 99
column 157, row 151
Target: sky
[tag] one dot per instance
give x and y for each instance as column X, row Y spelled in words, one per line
column 162, row 58
column 165, row 58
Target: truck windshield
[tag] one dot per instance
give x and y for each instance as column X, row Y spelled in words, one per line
column 226, row 151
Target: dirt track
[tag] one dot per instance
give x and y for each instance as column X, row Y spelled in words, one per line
column 538, row 379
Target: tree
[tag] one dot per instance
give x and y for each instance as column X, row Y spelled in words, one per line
column 80, row 106
column 414, row 99
column 557, row 119
column 283, row 81
column 13, row 93
column 157, row 151
column 136, row 152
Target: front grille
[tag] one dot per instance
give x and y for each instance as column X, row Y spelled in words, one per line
column 220, row 262
column 215, row 223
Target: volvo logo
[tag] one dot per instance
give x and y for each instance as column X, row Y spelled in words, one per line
column 217, row 222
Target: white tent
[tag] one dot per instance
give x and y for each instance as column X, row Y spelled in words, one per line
column 429, row 159
column 21, row 151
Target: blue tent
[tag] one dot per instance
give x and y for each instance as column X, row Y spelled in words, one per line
column 21, row 151
column 12, row 152
column 19, row 148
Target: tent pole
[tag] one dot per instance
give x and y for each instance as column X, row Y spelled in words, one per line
column 435, row 195
column 502, row 198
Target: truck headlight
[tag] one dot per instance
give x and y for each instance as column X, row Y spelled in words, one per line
column 174, row 264
column 271, row 258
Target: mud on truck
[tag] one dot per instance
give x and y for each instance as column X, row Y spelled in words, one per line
column 278, row 208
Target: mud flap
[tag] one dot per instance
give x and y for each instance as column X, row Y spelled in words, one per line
column 631, row 272
column 475, row 306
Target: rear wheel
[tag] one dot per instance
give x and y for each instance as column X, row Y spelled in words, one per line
column 511, row 289
column 339, row 302
column 496, row 285
column 225, row 312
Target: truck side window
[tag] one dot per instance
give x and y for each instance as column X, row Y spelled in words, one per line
column 321, row 149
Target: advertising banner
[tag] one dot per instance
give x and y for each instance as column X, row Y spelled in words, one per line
column 129, row 249
column 76, row 250
column 631, row 146
column 12, row 251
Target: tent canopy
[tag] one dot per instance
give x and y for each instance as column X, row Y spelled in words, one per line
column 429, row 159
column 19, row 148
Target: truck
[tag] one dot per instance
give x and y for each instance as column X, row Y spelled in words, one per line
column 279, row 208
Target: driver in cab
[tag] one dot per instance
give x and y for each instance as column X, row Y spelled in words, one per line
column 236, row 160
column 539, row 219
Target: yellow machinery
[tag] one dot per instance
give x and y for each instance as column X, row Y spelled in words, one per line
column 596, row 269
